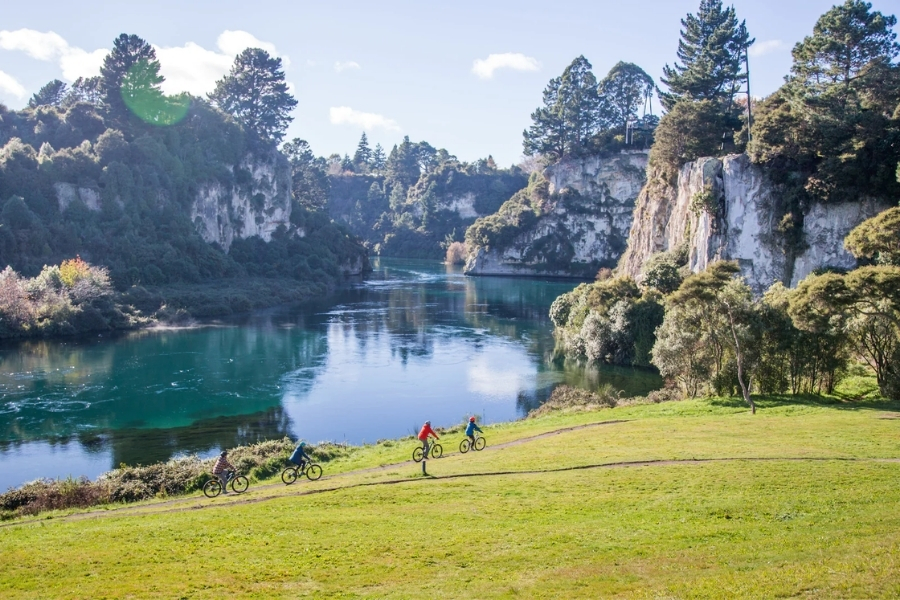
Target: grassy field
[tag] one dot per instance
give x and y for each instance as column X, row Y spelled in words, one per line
column 688, row 499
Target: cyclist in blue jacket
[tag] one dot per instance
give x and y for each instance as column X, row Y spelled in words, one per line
column 300, row 456
column 471, row 428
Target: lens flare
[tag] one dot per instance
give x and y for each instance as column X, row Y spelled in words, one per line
column 141, row 94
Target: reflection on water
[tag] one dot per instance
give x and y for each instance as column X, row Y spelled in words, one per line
column 415, row 341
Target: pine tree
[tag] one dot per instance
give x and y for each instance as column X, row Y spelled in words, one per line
column 255, row 92
column 130, row 55
column 378, row 159
column 622, row 92
column 52, row 94
column 88, row 90
column 570, row 115
column 363, row 154
column 711, row 50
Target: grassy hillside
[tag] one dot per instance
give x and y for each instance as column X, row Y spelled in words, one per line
column 688, row 499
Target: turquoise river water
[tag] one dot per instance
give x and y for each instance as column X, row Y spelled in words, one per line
column 414, row 340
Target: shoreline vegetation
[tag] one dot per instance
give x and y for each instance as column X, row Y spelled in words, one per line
column 76, row 299
column 264, row 461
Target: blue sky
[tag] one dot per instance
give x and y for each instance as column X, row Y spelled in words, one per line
column 393, row 68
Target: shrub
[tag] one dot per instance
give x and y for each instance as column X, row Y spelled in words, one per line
column 456, row 254
column 567, row 398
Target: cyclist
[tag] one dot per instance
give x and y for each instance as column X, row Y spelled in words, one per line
column 223, row 470
column 423, row 437
column 299, row 457
column 471, row 428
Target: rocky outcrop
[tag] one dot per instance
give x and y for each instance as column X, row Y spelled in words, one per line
column 66, row 193
column 256, row 203
column 727, row 209
column 583, row 227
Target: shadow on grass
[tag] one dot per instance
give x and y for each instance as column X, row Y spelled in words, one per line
column 839, row 402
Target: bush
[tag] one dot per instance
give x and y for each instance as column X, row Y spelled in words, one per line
column 570, row 399
column 456, row 254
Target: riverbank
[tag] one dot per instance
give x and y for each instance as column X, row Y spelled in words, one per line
column 692, row 498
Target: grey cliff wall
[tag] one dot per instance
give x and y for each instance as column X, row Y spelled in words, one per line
column 581, row 231
column 742, row 228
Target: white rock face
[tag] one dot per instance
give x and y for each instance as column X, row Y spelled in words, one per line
column 66, row 193
column 255, row 207
column 743, row 228
column 463, row 205
column 580, row 232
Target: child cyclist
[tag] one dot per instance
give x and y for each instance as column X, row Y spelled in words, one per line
column 300, row 456
column 223, row 470
column 423, row 437
column 471, row 428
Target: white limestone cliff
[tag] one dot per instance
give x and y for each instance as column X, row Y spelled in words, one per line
column 743, row 226
column 257, row 204
column 580, row 231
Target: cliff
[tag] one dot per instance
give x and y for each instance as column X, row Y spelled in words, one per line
column 727, row 209
column 579, row 227
column 256, row 203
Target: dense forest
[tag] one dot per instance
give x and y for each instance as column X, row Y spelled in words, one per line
column 108, row 170
column 831, row 133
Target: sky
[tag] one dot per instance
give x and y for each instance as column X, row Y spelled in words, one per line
column 464, row 76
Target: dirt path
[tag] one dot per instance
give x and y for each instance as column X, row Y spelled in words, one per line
column 201, row 503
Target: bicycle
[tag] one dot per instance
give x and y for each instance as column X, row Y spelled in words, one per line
column 311, row 470
column 436, row 451
column 478, row 444
column 238, row 483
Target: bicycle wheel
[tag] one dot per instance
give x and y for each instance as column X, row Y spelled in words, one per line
column 240, row 484
column 417, row 454
column 313, row 472
column 464, row 446
column 479, row 443
column 289, row 475
column 436, row 451
column 212, row 488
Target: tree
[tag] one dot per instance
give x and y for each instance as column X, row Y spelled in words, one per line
column 379, row 160
column 877, row 238
column 403, row 165
column 834, row 123
column 570, row 114
column 723, row 309
column 622, row 92
column 52, row 94
column 128, row 52
column 256, row 94
column 363, row 154
column 310, row 186
column 687, row 132
column 711, row 50
column 89, row 89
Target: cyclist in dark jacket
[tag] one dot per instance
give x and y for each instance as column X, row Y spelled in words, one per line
column 300, row 456
column 471, row 428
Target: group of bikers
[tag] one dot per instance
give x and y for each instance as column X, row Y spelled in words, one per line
column 224, row 469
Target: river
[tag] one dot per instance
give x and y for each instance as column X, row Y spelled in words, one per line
column 414, row 340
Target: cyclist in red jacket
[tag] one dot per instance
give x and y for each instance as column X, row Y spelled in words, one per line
column 423, row 437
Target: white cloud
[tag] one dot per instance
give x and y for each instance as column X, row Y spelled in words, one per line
column 340, row 66
column 9, row 85
column 344, row 115
column 485, row 68
column 50, row 46
column 189, row 68
column 192, row 68
column 766, row 47
column 235, row 42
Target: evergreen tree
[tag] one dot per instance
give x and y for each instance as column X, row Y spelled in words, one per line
column 129, row 53
column 255, row 92
column 363, row 154
column 622, row 92
column 310, row 186
column 347, row 164
column 711, row 50
column 88, row 90
column 379, row 160
column 51, row 94
column 402, row 165
column 570, row 115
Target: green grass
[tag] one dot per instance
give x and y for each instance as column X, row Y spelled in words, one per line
column 826, row 525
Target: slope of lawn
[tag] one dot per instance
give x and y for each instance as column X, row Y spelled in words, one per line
column 802, row 499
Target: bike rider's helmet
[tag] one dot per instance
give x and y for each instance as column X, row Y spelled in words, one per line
column 224, row 453
column 302, row 444
column 428, row 422
column 472, row 419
